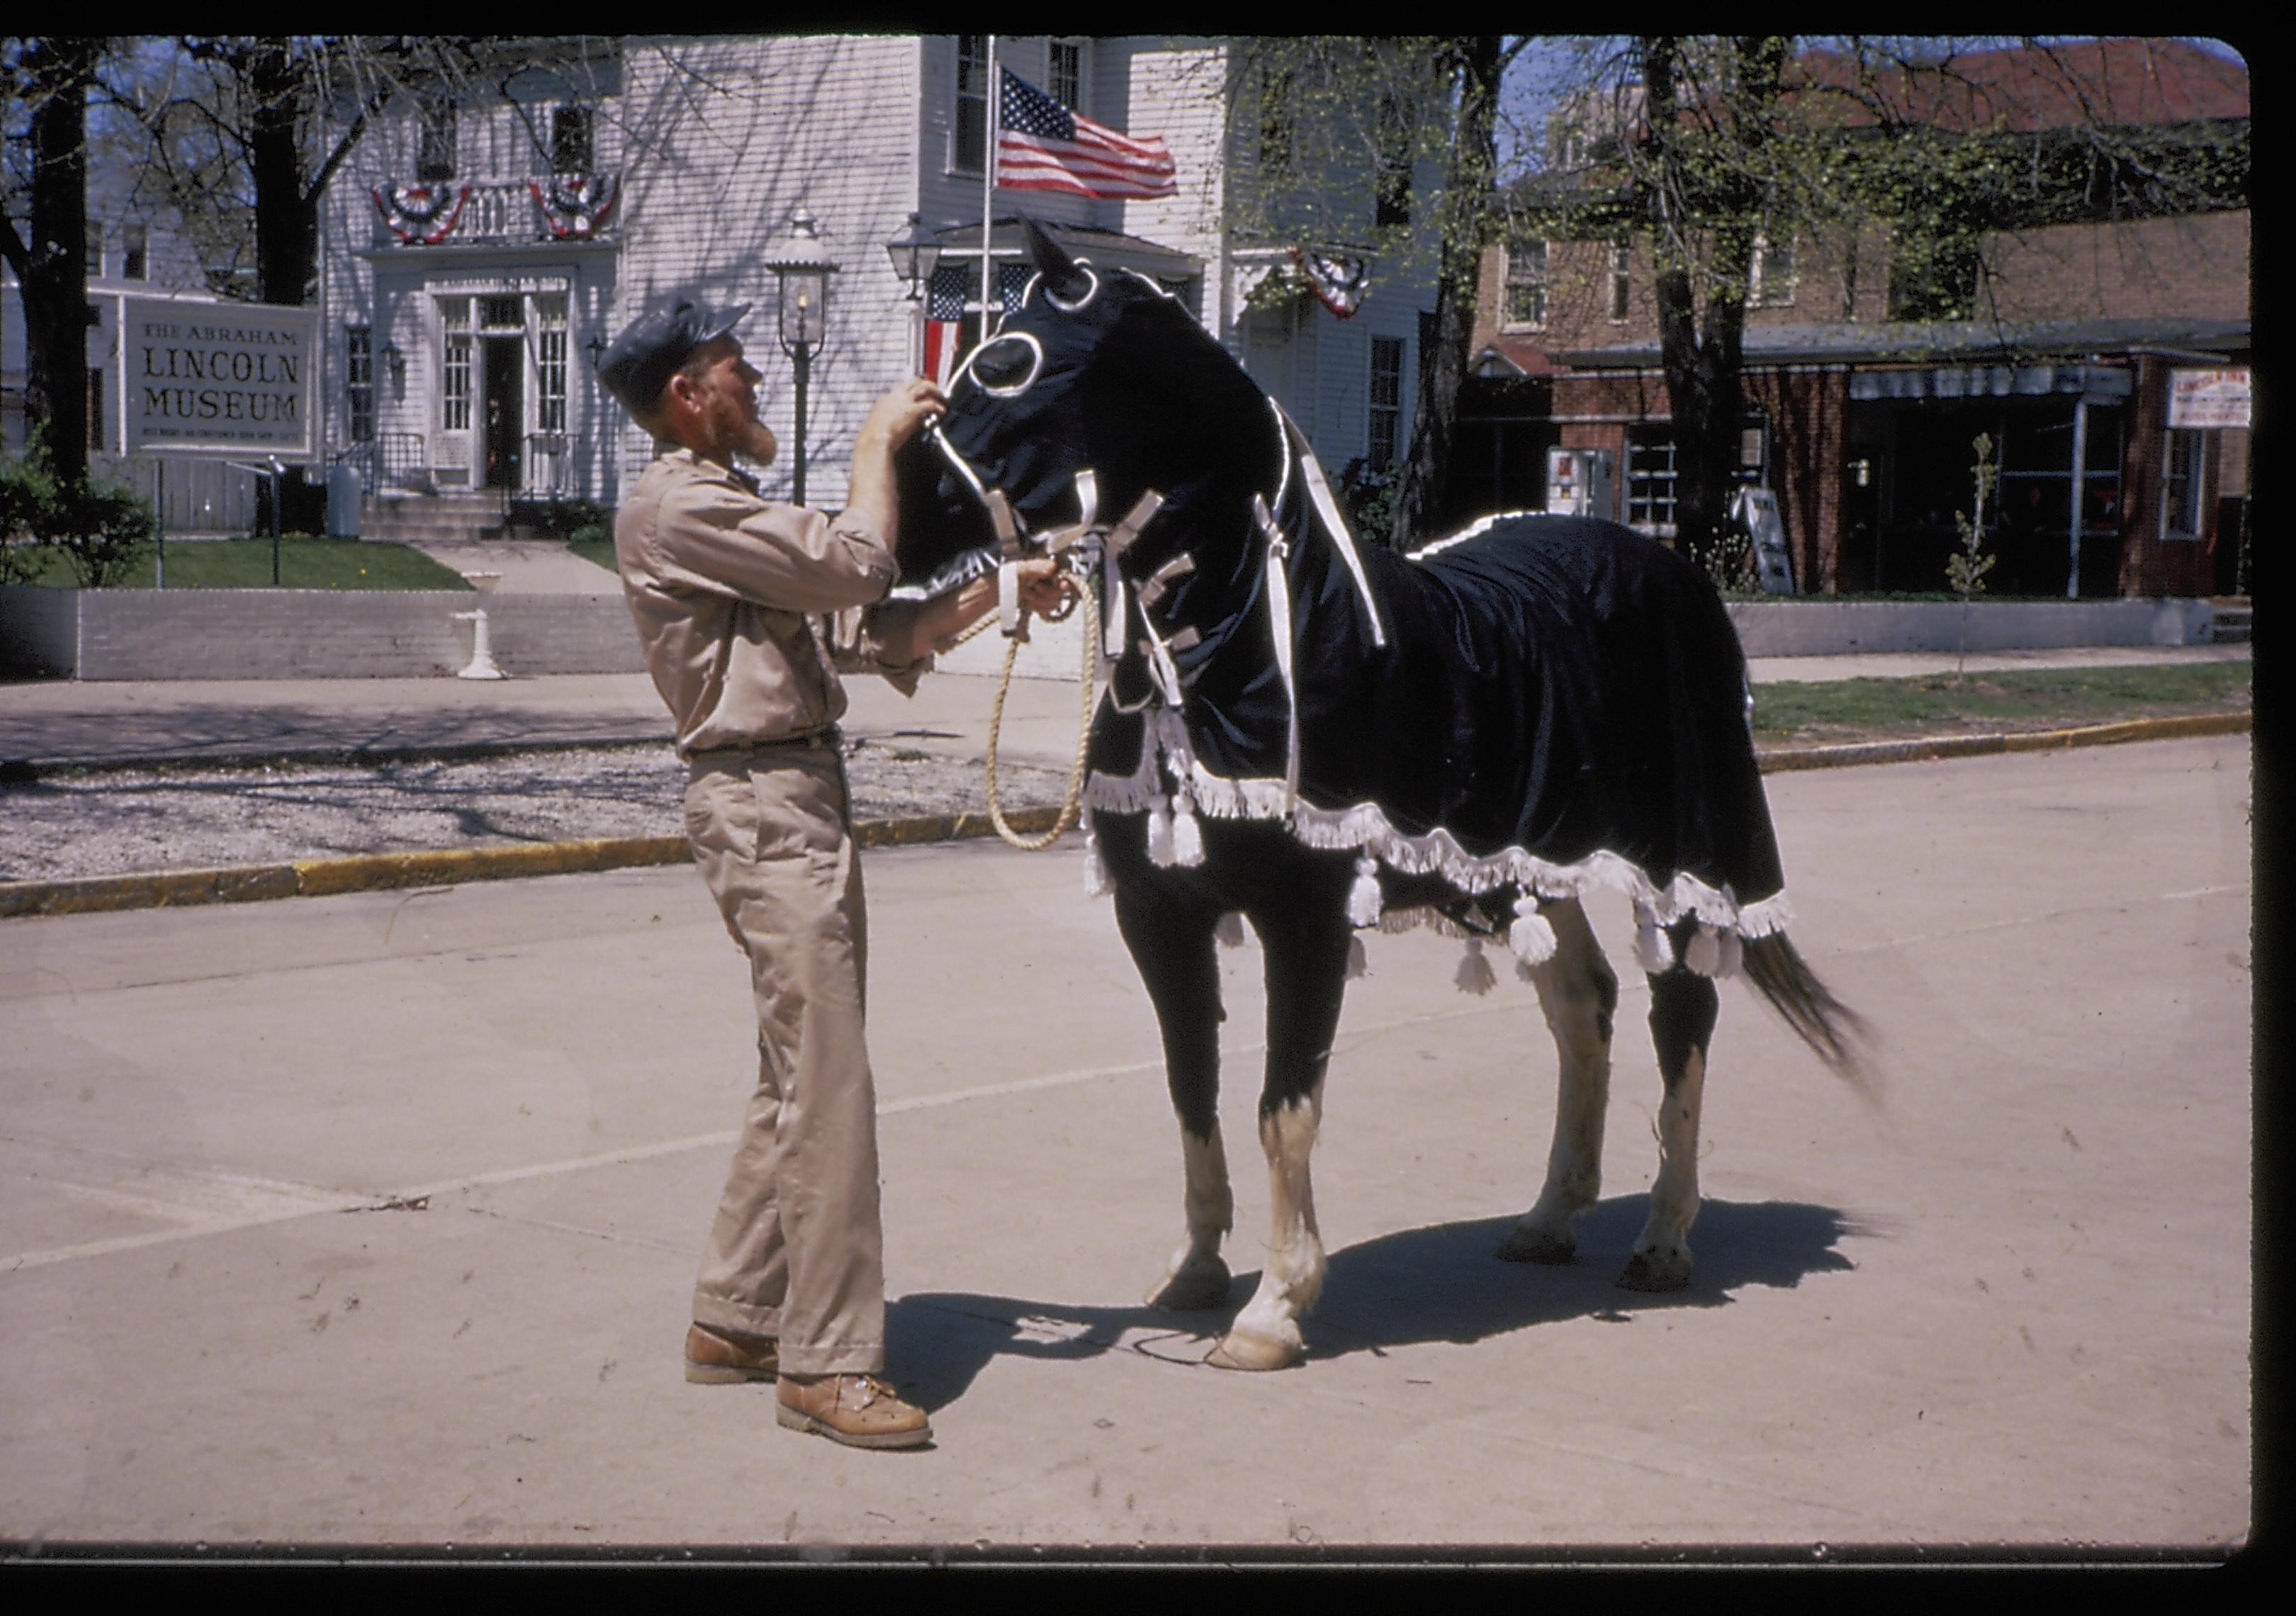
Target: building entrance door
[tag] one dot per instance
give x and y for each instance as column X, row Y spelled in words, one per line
column 505, row 410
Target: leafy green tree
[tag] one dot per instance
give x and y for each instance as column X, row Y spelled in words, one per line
column 1328, row 134
column 1700, row 149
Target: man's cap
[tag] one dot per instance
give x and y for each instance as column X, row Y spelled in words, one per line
column 639, row 363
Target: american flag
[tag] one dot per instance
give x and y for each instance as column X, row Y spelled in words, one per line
column 1042, row 146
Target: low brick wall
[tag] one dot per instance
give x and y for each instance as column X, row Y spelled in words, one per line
column 259, row 634
column 1805, row 629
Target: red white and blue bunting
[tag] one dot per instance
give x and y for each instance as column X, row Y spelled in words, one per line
column 575, row 206
column 1338, row 283
column 421, row 215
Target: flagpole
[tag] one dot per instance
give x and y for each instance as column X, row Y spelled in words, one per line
column 989, row 187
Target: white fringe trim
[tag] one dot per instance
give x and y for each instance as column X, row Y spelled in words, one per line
column 1365, row 829
column 1475, row 974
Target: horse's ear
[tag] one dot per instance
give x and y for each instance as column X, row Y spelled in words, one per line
column 1062, row 278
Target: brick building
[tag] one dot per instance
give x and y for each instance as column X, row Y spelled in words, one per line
column 2106, row 357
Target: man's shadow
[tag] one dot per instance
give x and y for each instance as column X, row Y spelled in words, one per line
column 1438, row 1283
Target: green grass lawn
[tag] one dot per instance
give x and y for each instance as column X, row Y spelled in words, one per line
column 598, row 550
column 305, row 562
column 1978, row 703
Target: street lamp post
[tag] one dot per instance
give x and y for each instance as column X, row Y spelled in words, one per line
column 802, row 270
column 915, row 256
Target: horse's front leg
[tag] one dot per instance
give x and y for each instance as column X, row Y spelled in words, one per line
column 1172, row 945
column 1307, row 969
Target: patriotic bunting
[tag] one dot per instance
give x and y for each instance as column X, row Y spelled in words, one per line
column 422, row 215
column 575, row 206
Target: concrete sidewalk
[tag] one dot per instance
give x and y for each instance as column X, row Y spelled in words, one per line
column 371, row 1221
column 61, row 721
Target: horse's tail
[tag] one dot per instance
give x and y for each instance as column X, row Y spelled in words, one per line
column 1834, row 1032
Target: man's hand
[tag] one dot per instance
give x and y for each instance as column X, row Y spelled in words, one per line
column 1041, row 588
column 892, row 421
column 897, row 417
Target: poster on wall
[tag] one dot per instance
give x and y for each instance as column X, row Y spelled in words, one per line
column 226, row 379
column 2207, row 399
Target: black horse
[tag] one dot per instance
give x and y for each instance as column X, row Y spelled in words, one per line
column 1322, row 737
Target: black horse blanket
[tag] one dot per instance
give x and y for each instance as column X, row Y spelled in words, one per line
column 1559, row 704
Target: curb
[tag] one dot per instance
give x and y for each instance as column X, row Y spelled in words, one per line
column 382, row 872
column 378, row 872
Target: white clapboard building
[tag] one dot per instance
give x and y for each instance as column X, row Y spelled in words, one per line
column 480, row 250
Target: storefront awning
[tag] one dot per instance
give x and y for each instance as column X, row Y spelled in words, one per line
column 2094, row 382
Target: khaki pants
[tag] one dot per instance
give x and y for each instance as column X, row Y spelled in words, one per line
column 797, row 1250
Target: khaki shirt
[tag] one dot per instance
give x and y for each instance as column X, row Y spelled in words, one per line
column 746, row 609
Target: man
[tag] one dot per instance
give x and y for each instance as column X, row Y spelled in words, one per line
column 745, row 610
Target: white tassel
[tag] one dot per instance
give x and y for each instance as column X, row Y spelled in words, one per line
column 1187, row 836
column 1654, row 949
column 1358, row 962
column 1531, row 938
column 1704, row 955
column 1363, row 897
column 1096, row 882
column 1475, row 970
column 1230, row 929
column 1734, row 954
column 1160, row 830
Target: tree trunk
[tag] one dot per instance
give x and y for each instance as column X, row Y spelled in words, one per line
column 1419, row 503
column 1705, row 369
column 286, row 220
column 54, row 267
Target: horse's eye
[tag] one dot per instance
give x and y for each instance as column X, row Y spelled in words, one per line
column 1006, row 363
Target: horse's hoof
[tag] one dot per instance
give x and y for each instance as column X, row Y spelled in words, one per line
column 1654, row 1271
column 1191, row 1288
column 1525, row 1244
column 1237, row 1350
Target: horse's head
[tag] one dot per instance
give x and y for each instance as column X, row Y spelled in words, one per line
column 1098, row 371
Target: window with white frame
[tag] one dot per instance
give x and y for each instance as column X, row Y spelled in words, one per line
column 94, row 250
column 1064, row 73
column 437, row 157
column 358, row 381
column 1526, row 286
column 1771, row 282
column 550, row 361
column 1651, row 480
column 455, row 364
column 2183, row 475
column 1386, row 401
column 135, row 251
column 573, row 142
column 970, row 134
column 1622, row 283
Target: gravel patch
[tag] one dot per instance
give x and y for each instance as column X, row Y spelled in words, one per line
column 117, row 822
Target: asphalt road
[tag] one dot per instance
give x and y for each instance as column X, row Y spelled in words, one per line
column 372, row 1220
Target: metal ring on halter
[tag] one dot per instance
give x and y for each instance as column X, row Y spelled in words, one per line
column 1064, row 307
column 1014, row 389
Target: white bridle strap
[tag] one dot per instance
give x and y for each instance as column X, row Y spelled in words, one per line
column 1327, row 510
column 1279, row 627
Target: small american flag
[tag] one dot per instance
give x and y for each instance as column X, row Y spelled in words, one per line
column 1042, row 146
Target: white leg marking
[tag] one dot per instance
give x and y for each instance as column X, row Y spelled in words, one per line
column 1570, row 994
column 1661, row 1259
column 1195, row 1277
column 1266, row 1334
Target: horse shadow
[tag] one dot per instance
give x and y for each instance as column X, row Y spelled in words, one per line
column 1439, row 1283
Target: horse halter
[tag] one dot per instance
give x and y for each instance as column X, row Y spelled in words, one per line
column 1073, row 543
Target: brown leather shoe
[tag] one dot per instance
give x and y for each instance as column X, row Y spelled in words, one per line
column 858, row 1410
column 723, row 1357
